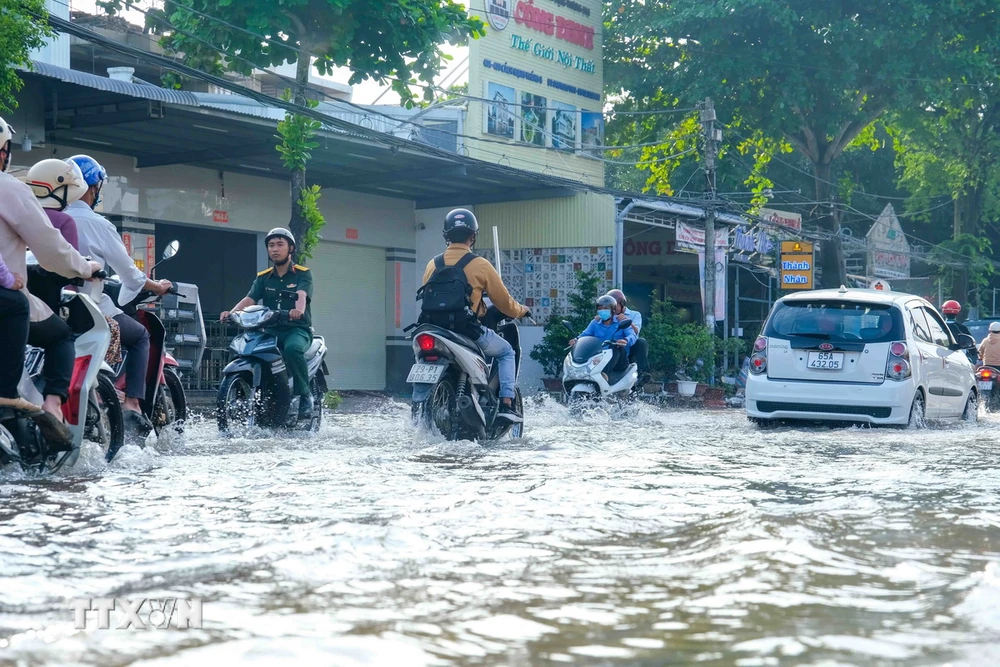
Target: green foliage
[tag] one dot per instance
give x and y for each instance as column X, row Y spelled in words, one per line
column 332, row 400
column 297, row 134
column 390, row 42
column 675, row 346
column 314, row 223
column 975, row 254
column 552, row 350
column 20, row 34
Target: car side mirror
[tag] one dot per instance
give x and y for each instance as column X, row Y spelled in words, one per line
column 624, row 324
column 965, row 342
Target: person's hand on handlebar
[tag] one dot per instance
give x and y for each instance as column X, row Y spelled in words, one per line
column 295, row 314
column 95, row 267
column 161, row 287
column 621, row 343
column 572, row 342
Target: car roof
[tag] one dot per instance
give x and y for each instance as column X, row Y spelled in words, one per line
column 854, row 295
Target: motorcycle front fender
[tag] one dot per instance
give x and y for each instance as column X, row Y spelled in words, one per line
column 244, row 365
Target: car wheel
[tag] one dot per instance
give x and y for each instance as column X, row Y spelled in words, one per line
column 918, row 411
column 971, row 414
column 762, row 423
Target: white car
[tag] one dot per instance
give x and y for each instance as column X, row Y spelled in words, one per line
column 859, row 356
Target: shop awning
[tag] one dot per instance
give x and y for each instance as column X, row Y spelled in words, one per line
column 160, row 127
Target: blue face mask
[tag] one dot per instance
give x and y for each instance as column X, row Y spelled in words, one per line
column 604, row 315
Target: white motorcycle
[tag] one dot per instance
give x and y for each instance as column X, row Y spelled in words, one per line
column 585, row 375
column 92, row 411
column 456, row 389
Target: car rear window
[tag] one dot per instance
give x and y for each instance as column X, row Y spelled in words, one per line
column 979, row 330
column 836, row 321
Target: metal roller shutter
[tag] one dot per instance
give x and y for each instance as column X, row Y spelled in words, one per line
column 350, row 280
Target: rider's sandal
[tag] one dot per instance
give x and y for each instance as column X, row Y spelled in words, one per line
column 57, row 435
column 20, row 404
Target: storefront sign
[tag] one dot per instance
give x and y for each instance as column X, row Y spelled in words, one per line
column 150, row 251
column 127, row 240
column 752, row 240
column 352, row 234
column 791, row 221
column 531, row 16
column 546, row 52
column 220, row 216
column 692, row 239
column 796, row 265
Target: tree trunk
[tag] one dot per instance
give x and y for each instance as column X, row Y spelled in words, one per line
column 297, row 181
column 832, row 251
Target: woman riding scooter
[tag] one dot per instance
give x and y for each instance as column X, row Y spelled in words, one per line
column 605, row 327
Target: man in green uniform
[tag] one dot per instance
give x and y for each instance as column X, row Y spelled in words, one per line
column 270, row 288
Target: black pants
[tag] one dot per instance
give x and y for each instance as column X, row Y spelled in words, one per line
column 13, row 337
column 619, row 360
column 640, row 355
column 135, row 339
column 54, row 336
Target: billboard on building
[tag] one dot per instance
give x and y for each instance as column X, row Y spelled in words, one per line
column 543, row 60
column 888, row 249
column 792, row 221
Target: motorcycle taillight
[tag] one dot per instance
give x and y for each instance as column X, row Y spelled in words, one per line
column 984, row 374
column 425, row 342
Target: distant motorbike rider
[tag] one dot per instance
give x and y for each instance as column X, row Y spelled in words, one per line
column 951, row 310
column 295, row 336
column 100, row 239
column 23, row 223
column 605, row 327
column 639, row 354
column 460, row 229
column 56, row 185
column 989, row 349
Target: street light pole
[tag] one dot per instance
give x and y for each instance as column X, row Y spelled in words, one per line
column 712, row 138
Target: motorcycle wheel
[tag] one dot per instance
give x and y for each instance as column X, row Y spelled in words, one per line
column 171, row 408
column 442, row 409
column 108, row 418
column 236, row 405
column 317, row 420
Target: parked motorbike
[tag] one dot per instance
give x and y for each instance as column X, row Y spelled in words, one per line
column 92, row 411
column 988, row 380
column 456, row 389
column 256, row 388
column 165, row 404
column 585, row 375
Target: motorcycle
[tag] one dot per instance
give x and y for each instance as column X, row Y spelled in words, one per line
column 92, row 410
column 988, row 381
column 256, row 389
column 585, row 378
column 165, row 403
column 455, row 389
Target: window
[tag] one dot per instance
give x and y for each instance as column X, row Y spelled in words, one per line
column 938, row 329
column 920, row 328
column 838, row 321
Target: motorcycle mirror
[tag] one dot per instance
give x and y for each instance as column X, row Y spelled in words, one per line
column 569, row 327
column 171, row 249
column 624, row 324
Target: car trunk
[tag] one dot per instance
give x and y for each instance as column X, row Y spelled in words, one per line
column 811, row 360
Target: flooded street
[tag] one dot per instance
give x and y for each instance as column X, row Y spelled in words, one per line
column 672, row 537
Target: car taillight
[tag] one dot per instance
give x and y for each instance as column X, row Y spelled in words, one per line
column 760, row 345
column 898, row 368
column 71, row 408
column 425, row 342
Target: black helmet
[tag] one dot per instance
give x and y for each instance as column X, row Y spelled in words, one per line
column 460, row 220
column 607, row 301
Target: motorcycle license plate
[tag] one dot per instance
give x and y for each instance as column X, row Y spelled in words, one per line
column 826, row 361
column 33, row 360
column 986, row 386
column 425, row 374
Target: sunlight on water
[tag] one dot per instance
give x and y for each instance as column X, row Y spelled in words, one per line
column 648, row 535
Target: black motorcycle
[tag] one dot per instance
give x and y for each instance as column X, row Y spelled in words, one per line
column 988, row 380
column 256, row 389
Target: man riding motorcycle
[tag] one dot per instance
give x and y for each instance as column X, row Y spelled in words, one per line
column 460, row 229
column 23, row 223
column 989, row 349
column 951, row 310
column 100, row 239
column 295, row 336
column 639, row 354
column 605, row 327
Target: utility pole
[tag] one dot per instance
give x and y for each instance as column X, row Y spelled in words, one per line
column 713, row 137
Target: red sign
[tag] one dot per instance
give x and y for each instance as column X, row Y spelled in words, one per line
column 536, row 18
column 150, row 253
column 352, row 234
column 220, row 216
column 127, row 240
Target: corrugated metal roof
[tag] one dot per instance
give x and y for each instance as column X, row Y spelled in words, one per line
column 114, row 85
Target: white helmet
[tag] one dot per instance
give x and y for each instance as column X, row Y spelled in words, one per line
column 994, row 327
column 56, row 183
column 6, row 136
column 280, row 232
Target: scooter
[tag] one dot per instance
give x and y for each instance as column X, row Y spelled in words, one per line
column 456, row 389
column 92, row 410
column 988, row 381
column 585, row 378
column 165, row 404
column 256, row 389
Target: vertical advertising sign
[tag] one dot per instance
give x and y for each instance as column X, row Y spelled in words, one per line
column 796, row 265
column 150, row 253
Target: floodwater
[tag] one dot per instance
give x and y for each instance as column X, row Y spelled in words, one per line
column 668, row 537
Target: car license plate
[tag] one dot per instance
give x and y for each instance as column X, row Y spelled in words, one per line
column 826, row 361
column 425, row 373
column 986, row 386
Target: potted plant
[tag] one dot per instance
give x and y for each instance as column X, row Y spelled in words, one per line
column 694, row 350
column 552, row 350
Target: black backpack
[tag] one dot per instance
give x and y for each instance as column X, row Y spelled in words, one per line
column 446, row 299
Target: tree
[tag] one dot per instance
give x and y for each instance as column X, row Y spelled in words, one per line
column 813, row 74
column 396, row 42
column 552, row 350
column 20, row 34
